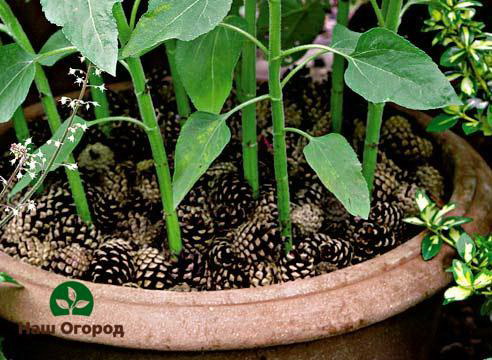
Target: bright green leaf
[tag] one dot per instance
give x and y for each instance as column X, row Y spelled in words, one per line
column 175, row 19
column 90, row 26
column 386, row 67
column 7, row 279
column 431, row 245
column 48, row 150
column 470, row 128
column 337, row 166
column 483, row 280
column 414, row 221
column 206, row 65
column 16, row 75
column 55, row 42
column 453, row 221
column 456, row 293
column 489, row 115
column 344, row 40
column 462, row 274
column 466, row 247
column 422, row 200
column 442, row 123
column 202, row 139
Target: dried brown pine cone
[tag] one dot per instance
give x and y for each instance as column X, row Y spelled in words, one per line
column 72, row 261
column 113, row 263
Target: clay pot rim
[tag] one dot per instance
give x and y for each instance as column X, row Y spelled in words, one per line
column 471, row 179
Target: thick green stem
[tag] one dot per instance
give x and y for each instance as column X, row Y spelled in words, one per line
column 279, row 145
column 147, row 112
column 374, row 120
column 375, row 111
column 101, row 111
column 49, row 104
column 184, row 109
column 20, row 125
column 248, row 92
column 337, row 85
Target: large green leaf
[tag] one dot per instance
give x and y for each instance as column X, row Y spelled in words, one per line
column 90, row 26
column 47, row 151
column 55, row 42
column 202, row 139
column 344, row 40
column 16, row 75
column 175, row 19
column 386, row 67
column 302, row 21
column 337, row 166
column 206, row 65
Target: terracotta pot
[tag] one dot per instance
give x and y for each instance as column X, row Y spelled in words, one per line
column 330, row 305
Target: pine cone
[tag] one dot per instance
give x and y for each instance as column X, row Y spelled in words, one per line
column 297, row 264
column 335, row 253
column 31, row 251
column 72, row 230
column 224, row 278
column 307, row 218
column 369, row 240
column 406, row 195
column 72, row 261
column 398, row 139
column 155, row 270
column 146, row 182
column 429, row 178
column 197, row 228
column 263, row 274
column 96, row 158
column 196, row 272
column 140, row 230
column 222, row 254
column 113, row 263
column 231, row 201
column 385, row 183
column 106, row 209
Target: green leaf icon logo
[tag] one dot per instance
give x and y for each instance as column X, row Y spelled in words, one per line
column 71, row 298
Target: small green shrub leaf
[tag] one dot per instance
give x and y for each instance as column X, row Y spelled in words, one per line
column 486, row 308
column 462, row 274
column 456, row 293
column 47, row 150
column 337, row 166
column 442, row 123
column 386, row 67
column 344, row 40
column 55, row 42
column 206, row 65
column 466, row 247
column 483, row 279
column 202, row 139
column 431, row 245
column 90, row 26
column 16, row 75
column 7, row 279
column 175, row 19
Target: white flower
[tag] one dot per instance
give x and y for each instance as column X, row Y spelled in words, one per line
column 79, row 80
column 72, row 167
column 57, row 144
column 49, row 142
column 28, row 142
column 19, row 175
column 97, row 71
column 72, row 71
column 71, row 138
column 31, row 205
column 101, row 87
column 64, row 100
column 95, row 103
column 82, row 59
column 15, row 211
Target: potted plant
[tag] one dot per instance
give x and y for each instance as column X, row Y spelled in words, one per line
column 205, row 228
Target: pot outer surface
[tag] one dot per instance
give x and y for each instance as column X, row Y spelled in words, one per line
column 309, row 309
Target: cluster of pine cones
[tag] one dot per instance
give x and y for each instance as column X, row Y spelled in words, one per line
column 231, row 240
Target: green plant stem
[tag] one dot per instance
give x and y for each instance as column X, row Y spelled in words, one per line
column 20, row 125
column 299, row 131
column 248, row 92
column 65, row 50
column 133, row 15
column 375, row 111
column 147, row 112
column 300, row 66
column 373, row 128
column 246, row 104
column 279, row 145
column 378, row 12
column 119, row 118
column 49, row 105
column 182, row 101
column 101, row 111
column 337, row 85
column 247, row 35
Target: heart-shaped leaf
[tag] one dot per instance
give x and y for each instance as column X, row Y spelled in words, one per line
column 202, row 139
column 16, row 75
column 386, row 67
column 55, row 42
column 175, row 19
column 63, row 304
column 344, row 40
column 337, row 166
column 81, row 304
column 47, row 151
column 90, row 26
column 206, row 65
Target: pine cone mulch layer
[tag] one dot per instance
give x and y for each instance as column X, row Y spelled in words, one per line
column 230, row 239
